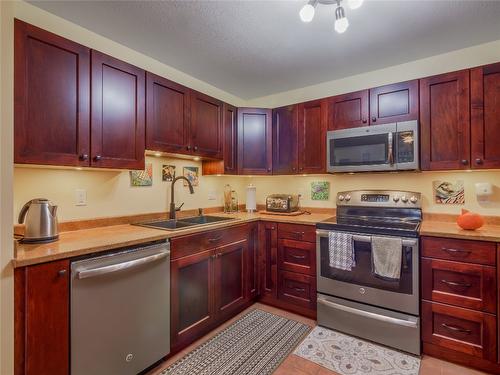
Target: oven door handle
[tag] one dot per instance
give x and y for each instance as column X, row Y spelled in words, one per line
column 368, row 239
column 367, row 314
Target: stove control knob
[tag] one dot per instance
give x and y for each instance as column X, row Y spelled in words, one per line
column 341, row 197
column 404, row 199
column 395, row 198
column 347, row 198
column 413, row 199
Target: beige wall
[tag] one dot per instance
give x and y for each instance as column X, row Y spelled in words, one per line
column 410, row 181
column 109, row 192
column 6, row 199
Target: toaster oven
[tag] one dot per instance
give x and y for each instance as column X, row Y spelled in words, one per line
column 282, row 203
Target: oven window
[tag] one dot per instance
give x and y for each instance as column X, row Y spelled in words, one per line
column 362, row 275
column 364, row 150
column 405, row 143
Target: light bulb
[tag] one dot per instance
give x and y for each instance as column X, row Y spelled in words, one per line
column 355, row 4
column 341, row 25
column 307, row 13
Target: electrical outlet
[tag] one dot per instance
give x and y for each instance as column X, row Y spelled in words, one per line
column 81, row 197
column 212, row 195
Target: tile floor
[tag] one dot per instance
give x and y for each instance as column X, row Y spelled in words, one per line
column 299, row 366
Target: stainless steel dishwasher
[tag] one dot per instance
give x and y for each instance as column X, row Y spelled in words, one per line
column 120, row 311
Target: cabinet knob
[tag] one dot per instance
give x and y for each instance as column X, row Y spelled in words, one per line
column 293, row 168
column 188, row 148
column 465, row 162
column 479, row 161
column 195, row 148
column 62, row 272
column 97, row 158
column 364, row 121
column 269, row 169
column 83, row 157
column 374, row 119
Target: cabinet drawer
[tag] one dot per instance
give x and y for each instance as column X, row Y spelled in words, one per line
column 459, row 250
column 460, row 284
column 297, row 256
column 297, row 232
column 462, row 330
column 297, row 289
column 193, row 243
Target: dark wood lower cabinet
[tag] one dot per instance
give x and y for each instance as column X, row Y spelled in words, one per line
column 287, row 269
column 230, row 269
column 192, row 296
column 210, row 280
column 460, row 302
column 42, row 319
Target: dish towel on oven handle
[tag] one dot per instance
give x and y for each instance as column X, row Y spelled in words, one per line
column 387, row 253
column 341, row 250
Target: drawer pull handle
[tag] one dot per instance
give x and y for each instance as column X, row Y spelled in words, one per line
column 298, row 233
column 298, row 256
column 456, row 251
column 456, row 329
column 454, row 283
column 299, row 289
column 215, row 239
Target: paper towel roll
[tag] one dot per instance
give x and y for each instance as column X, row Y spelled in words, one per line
column 251, row 203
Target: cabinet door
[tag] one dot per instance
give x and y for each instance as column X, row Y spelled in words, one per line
column 348, row 110
column 394, row 103
column 117, row 115
column 51, row 105
column 229, row 277
column 230, row 139
column 253, row 261
column 285, row 145
column 268, row 254
column 167, row 115
column 312, row 136
column 255, row 141
column 42, row 319
column 445, row 121
column 192, row 298
column 485, row 116
column 206, row 125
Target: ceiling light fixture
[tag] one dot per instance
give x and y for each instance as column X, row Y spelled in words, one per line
column 341, row 22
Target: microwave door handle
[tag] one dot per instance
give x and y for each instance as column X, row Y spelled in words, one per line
column 390, row 148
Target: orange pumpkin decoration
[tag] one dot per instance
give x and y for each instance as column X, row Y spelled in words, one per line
column 469, row 220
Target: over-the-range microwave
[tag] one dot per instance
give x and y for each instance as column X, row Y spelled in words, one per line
column 389, row 147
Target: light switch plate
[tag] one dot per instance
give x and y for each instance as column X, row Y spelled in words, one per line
column 212, row 195
column 81, row 197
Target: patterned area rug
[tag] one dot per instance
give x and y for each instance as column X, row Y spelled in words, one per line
column 255, row 344
column 349, row 355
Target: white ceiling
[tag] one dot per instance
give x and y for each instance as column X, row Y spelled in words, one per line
column 256, row 48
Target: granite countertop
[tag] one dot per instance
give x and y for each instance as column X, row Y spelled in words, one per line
column 87, row 241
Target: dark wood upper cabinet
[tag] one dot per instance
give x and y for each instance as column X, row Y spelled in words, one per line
column 206, row 125
column 485, row 116
column 51, row 90
column 445, row 121
column 313, row 117
column 255, row 141
column 117, row 114
column 348, row 110
column 42, row 319
column 167, row 115
column 285, row 140
column 394, row 103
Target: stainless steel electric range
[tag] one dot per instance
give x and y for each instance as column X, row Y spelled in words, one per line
column 357, row 300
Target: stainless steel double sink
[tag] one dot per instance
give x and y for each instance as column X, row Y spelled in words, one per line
column 177, row 224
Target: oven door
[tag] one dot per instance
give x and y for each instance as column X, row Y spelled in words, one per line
column 369, row 148
column 360, row 284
